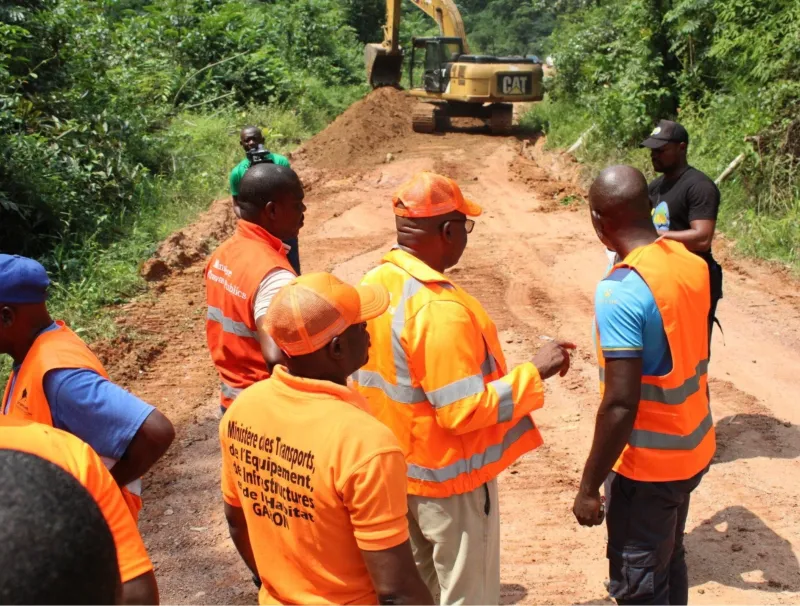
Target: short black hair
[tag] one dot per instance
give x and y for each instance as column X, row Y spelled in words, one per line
column 264, row 182
column 55, row 544
column 247, row 128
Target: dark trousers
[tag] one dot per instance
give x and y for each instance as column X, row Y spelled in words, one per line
column 294, row 254
column 646, row 557
column 715, row 277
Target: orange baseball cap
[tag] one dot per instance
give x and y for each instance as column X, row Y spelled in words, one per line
column 312, row 309
column 430, row 195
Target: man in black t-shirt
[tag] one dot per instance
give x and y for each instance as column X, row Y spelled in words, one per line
column 685, row 201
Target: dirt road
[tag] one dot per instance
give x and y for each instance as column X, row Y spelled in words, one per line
column 534, row 263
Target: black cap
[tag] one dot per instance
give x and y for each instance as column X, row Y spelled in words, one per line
column 667, row 131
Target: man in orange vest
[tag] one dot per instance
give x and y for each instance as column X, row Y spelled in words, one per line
column 246, row 271
column 71, row 454
column 437, row 377
column 314, row 486
column 654, row 437
column 58, row 381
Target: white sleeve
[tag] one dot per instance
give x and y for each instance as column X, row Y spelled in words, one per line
column 269, row 287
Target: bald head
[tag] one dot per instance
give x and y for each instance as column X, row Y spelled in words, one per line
column 620, row 191
column 620, row 206
column 264, row 182
column 272, row 196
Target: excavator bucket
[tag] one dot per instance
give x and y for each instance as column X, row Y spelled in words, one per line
column 383, row 67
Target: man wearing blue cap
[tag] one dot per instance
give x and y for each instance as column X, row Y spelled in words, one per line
column 58, row 381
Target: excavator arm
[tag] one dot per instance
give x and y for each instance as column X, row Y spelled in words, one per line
column 447, row 17
column 384, row 61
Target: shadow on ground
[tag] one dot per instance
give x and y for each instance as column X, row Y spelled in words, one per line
column 511, row 593
column 746, row 436
column 736, row 548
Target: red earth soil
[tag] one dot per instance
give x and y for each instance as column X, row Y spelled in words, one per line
column 535, row 272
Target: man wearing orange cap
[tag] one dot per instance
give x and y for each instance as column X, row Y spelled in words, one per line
column 437, row 377
column 314, row 486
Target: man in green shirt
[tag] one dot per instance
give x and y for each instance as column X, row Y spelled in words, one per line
column 250, row 138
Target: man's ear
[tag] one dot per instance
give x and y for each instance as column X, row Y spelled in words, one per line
column 335, row 349
column 270, row 210
column 6, row 316
column 447, row 231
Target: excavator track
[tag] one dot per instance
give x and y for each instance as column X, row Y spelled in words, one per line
column 423, row 119
column 501, row 118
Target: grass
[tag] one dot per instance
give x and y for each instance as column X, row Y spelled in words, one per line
column 760, row 208
column 88, row 279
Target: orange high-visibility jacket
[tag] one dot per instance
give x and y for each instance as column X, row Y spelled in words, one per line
column 233, row 274
column 53, row 350
column 673, row 436
column 437, row 377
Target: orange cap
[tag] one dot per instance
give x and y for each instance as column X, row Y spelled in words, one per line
column 312, row 309
column 430, row 195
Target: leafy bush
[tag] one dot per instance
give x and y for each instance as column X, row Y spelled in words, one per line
column 729, row 70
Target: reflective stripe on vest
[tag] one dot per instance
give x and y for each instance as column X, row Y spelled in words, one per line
column 642, row 438
column 671, row 396
column 477, row 461
column 228, row 325
column 405, row 393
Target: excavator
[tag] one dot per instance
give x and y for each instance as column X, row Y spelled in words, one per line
column 455, row 84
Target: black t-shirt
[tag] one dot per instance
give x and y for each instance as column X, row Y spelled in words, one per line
column 690, row 197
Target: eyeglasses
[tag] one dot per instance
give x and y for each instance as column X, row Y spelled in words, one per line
column 469, row 224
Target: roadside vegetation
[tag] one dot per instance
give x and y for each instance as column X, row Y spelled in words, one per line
column 119, row 118
column 728, row 70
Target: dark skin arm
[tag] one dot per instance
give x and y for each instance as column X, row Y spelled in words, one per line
column 395, row 577
column 237, row 526
column 271, row 352
column 623, row 386
column 696, row 239
column 148, row 446
column 141, row 590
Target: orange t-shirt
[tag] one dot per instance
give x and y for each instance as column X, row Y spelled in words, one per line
column 78, row 458
column 318, row 479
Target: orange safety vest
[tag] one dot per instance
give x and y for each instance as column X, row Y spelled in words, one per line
column 52, row 350
column 425, row 400
column 233, row 274
column 673, row 435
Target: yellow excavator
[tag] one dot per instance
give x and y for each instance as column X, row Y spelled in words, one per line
column 455, row 84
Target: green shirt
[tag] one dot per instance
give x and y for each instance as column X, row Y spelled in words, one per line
column 240, row 169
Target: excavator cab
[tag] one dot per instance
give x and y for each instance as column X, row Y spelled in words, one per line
column 439, row 52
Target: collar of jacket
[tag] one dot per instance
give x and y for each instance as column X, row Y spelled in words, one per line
column 414, row 267
column 251, row 231
column 316, row 389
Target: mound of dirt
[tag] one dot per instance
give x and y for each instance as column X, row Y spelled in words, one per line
column 188, row 245
column 362, row 132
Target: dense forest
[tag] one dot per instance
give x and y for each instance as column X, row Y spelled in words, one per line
column 118, row 118
column 728, row 70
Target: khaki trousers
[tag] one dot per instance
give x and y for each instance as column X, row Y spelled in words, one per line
column 456, row 545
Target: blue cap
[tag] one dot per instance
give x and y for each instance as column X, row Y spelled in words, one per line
column 22, row 280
